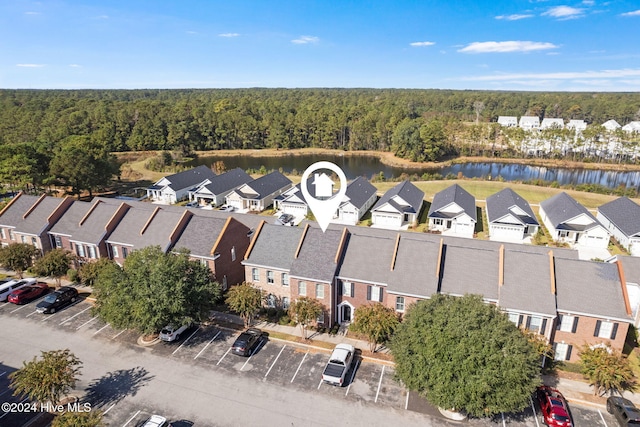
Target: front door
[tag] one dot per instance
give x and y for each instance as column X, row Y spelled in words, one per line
column 346, row 313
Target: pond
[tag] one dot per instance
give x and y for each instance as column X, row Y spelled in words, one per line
column 367, row 166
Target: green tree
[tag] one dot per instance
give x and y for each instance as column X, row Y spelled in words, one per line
column 246, row 300
column 461, row 353
column 54, row 263
column 18, row 257
column 304, row 311
column 153, row 289
column 375, row 321
column 606, row 370
column 46, row 380
column 90, row 271
column 79, row 419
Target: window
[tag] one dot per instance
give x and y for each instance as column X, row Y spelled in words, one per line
column 58, row 241
column 516, row 319
column 125, row 252
column 270, row 277
column 562, row 351
column 255, row 275
column 534, row 323
column 271, row 301
column 285, row 279
column 11, row 235
column 2, row 234
column 347, row 289
column 285, row 302
column 80, row 249
column 400, row 304
column 320, row 318
column 114, row 250
column 233, row 253
column 563, row 233
column 374, row 293
column 302, row 288
column 568, row 323
column 437, row 221
column 23, row 239
column 224, row 283
column 606, row 330
column 319, row 290
column 204, row 262
column 34, row 242
column 92, row 251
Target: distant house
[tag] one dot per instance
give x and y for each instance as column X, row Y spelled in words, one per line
column 399, row 207
column 453, row 212
column 549, row 123
column 510, row 217
column 214, row 190
column 292, row 202
column 611, row 125
column 632, row 127
column 173, row 188
column 360, row 196
column 570, row 222
column 630, row 268
column 258, row 194
column 622, row 218
column 529, row 122
column 508, row 121
column 577, row 125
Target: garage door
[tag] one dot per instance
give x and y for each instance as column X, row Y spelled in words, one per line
column 351, row 217
column 501, row 233
column 595, row 242
column 295, row 210
column 388, row 220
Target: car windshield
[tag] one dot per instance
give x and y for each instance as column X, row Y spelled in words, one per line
column 50, row 298
column 166, row 331
column 558, row 417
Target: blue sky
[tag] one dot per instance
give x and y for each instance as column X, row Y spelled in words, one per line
column 585, row 45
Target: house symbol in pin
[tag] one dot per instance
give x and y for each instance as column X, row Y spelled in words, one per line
column 323, row 186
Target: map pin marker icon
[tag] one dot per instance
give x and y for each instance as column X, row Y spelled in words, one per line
column 325, row 205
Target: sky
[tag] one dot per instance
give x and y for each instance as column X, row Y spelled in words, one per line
column 538, row 45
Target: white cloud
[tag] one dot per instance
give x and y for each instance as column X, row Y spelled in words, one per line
column 564, row 12
column 30, row 65
column 305, row 40
column 588, row 2
column 32, row 13
column 514, row 17
column 228, row 35
column 422, row 44
column 583, row 75
column 508, row 46
column 634, row 13
column 75, row 66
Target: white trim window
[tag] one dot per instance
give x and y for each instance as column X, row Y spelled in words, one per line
column 114, row 251
column 12, row 236
column 92, row 252
column 568, row 323
column 562, row 351
column 302, row 289
column 255, row 275
column 285, row 279
column 400, row 304
column 347, row 289
column 2, row 234
column 58, row 241
column 607, row 330
column 374, row 293
column 319, row 291
column 80, row 249
column 516, row 319
column 270, row 279
column 285, row 302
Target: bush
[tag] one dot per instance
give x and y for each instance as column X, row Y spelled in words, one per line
column 284, row 320
column 72, row 275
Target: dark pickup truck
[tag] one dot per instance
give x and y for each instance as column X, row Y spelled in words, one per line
column 338, row 365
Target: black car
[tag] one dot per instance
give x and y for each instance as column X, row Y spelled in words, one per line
column 624, row 410
column 247, row 342
column 55, row 301
column 285, row 219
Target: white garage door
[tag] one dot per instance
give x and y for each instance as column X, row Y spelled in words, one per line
column 295, row 210
column 386, row 220
column 504, row 234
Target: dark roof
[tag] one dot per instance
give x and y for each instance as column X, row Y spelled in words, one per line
column 37, row 220
column 527, row 283
column 228, row 181
column 95, row 217
column 590, row 288
column 12, row 216
column 624, row 214
column 503, row 202
column 317, row 257
column 200, row 234
column 414, row 270
column 359, row 191
column 562, row 207
column 470, row 271
column 453, row 194
column 275, row 247
column 408, row 192
column 367, row 258
column 190, row 178
column 268, row 184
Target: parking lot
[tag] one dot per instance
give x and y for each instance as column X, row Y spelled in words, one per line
column 284, row 364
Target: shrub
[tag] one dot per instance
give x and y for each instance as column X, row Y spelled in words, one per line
column 72, row 275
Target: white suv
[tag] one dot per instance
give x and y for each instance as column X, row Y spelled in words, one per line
column 171, row 332
column 155, row 421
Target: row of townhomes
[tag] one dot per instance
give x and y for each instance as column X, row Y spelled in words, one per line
column 571, row 302
column 534, row 123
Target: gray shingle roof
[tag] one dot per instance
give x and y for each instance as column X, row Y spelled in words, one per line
column 37, row 221
column 269, row 184
column 275, row 247
column 527, row 283
column 502, row 202
column 562, row 207
column 228, row 181
column 316, row 259
column 359, row 191
column 453, row 194
column 631, row 267
column 12, row 216
column 190, row 178
column 408, row 192
column 414, row 271
column 200, row 234
column 92, row 229
column 624, row 213
column 591, row 288
column 470, row 271
column 368, row 258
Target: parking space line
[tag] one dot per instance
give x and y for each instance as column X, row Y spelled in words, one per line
column 99, row 330
column 320, row 383
column 223, row 356
column 299, row 366
column 353, row 374
column 5, row 392
column 185, row 341
column 535, row 415
column 207, row 345
column 7, row 413
column 108, row 409
column 2, row 373
column 118, row 334
column 130, row 419
column 602, row 418
column 87, row 322
column 19, row 308
column 32, row 313
column 274, row 362
column 379, row 385
column 504, row 423
column 74, row 316
column 406, row 402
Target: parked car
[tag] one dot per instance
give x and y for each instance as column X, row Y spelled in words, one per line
column 285, row 219
column 61, row 298
column 227, row 208
column 155, row 421
column 624, row 410
column 28, row 293
column 172, row 333
column 338, row 365
column 246, row 343
column 554, row 407
column 10, row 286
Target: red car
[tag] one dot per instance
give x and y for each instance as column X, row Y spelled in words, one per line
column 28, row 293
column 554, row 407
